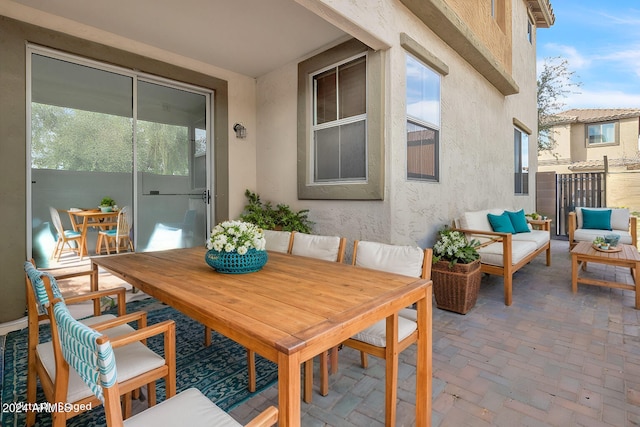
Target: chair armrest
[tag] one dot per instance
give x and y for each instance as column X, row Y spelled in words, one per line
column 167, row 326
column 633, row 230
column 573, row 224
column 266, row 418
column 138, row 316
column 96, row 295
column 496, row 234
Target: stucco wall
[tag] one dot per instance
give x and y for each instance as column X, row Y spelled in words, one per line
column 477, row 150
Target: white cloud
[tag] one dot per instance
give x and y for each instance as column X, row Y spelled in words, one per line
column 575, row 59
column 603, row 99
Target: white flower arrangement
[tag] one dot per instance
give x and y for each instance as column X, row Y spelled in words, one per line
column 238, row 236
column 454, row 247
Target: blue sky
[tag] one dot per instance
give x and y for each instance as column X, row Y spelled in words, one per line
column 601, row 41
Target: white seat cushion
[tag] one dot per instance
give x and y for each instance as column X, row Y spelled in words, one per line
column 131, row 360
column 188, row 408
column 587, row 235
column 493, row 253
column 539, row 237
column 277, row 241
column 406, row 260
column 320, row 247
column 377, row 334
column 409, row 313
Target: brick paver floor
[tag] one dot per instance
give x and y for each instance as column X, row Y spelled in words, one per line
column 551, row 359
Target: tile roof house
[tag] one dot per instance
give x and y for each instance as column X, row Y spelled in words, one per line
column 584, row 137
column 437, row 105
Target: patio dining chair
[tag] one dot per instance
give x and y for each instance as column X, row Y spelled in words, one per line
column 406, row 260
column 139, row 365
column 121, row 235
column 91, row 354
column 279, row 241
column 328, row 248
column 65, row 237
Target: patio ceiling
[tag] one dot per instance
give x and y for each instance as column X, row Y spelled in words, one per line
column 250, row 37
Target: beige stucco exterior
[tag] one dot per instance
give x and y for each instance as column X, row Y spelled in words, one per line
column 478, row 113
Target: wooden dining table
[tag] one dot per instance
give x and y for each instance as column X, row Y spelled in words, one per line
column 290, row 311
column 82, row 219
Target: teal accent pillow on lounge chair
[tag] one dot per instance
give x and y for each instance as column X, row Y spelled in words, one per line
column 596, row 219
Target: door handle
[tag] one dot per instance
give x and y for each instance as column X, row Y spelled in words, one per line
column 206, row 196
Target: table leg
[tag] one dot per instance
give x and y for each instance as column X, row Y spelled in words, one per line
column 289, row 390
column 391, row 366
column 83, row 239
column 94, row 286
column 424, row 361
column 636, row 281
column 574, row 273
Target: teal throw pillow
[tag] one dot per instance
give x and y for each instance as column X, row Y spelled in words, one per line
column 596, row 219
column 519, row 221
column 501, row 223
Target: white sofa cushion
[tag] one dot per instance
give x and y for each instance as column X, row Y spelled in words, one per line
column 619, row 218
column 586, row 235
column 479, row 221
column 539, row 237
column 493, row 254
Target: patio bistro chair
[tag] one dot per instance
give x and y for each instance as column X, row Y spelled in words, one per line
column 121, row 235
column 64, row 236
column 91, row 354
column 139, row 365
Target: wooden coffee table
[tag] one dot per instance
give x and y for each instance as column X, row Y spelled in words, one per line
column 628, row 256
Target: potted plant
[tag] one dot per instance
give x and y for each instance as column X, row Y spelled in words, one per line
column 106, row 204
column 455, row 271
column 282, row 217
column 236, row 247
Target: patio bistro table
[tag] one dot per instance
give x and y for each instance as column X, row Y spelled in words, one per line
column 90, row 218
column 628, row 256
column 290, row 311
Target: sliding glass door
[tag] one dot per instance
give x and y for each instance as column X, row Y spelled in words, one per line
column 100, row 131
column 171, row 163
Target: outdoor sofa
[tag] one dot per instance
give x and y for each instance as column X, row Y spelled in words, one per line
column 503, row 253
column 585, row 224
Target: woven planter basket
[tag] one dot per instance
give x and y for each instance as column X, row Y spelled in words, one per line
column 456, row 289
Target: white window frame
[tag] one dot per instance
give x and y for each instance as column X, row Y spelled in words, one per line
column 313, row 180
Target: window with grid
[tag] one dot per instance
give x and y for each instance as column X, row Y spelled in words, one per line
column 423, row 121
column 340, row 122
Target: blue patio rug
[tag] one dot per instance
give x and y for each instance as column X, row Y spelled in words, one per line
column 219, row 371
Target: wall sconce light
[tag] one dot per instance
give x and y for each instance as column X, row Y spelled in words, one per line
column 241, row 131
